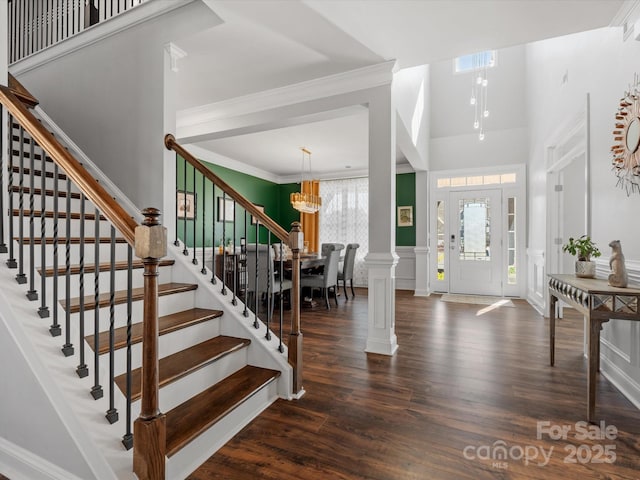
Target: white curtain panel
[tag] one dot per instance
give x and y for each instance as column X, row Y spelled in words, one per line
column 344, row 218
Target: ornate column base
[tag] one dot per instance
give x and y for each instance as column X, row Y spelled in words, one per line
column 381, row 337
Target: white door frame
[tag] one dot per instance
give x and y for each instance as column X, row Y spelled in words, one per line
column 569, row 143
column 516, row 190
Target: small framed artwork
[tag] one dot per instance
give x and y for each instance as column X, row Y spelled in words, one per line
column 254, row 220
column 405, row 216
column 226, row 210
column 186, row 202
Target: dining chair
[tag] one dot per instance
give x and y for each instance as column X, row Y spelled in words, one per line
column 261, row 276
column 347, row 268
column 328, row 278
column 324, row 248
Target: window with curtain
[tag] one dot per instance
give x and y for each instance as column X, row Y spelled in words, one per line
column 344, row 218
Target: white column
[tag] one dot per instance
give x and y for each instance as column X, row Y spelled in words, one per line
column 381, row 260
column 422, row 235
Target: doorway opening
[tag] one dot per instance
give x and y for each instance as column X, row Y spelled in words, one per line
column 477, row 231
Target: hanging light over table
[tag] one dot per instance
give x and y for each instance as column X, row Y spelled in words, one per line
column 305, row 202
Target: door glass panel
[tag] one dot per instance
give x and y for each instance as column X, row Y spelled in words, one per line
column 475, row 236
column 440, row 212
column 512, row 278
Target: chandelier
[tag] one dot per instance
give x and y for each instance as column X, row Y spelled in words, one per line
column 479, row 89
column 305, row 201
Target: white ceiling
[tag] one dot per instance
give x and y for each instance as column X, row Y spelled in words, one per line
column 265, row 44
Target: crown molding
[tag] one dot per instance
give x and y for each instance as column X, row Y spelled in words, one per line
column 217, row 159
column 318, row 88
column 629, row 10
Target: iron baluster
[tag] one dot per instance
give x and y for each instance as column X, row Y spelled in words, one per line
column 203, row 270
column 269, row 287
column 3, row 245
column 195, row 259
column 234, row 300
column 185, row 252
column 112, row 413
column 11, row 262
column 176, row 242
column 21, row 277
column 96, row 390
column 67, row 348
column 127, row 440
column 55, row 329
column 224, row 249
column 32, row 294
column 43, row 311
column 243, row 255
column 256, row 325
column 82, row 369
column 280, row 346
column 213, row 234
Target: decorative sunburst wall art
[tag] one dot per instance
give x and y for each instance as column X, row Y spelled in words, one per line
column 626, row 154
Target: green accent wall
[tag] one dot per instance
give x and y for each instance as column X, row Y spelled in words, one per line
column 406, row 195
column 275, row 200
column 272, row 196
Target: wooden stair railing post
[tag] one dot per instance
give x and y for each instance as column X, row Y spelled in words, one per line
column 296, row 241
column 149, row 430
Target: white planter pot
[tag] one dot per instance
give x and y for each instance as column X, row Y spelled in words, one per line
column 585, row 269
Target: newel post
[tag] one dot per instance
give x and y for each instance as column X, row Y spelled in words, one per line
column 296, row 241
column 149, row 429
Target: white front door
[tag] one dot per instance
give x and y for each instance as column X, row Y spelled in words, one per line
column 475, row 242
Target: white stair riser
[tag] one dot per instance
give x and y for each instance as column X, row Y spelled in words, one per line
column 167, row 345
column 104, row 279
column 104, row 254
column 202, row 447
column 104, row 228
column 167, row 305
column 180, row 391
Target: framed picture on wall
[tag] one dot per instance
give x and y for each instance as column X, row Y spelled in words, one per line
column 254, row 220
column 226, row 210
column 186, row 202
column 405, row 216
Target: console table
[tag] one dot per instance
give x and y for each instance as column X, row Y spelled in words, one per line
column 599, row 302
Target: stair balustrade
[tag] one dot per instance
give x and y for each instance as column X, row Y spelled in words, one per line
column 207, row 208
column 35, row 152
column 38, row 24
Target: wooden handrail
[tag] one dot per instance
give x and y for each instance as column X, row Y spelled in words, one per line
column 171, row 144
column 88, row 185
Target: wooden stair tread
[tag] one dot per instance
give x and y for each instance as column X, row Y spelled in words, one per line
column 72, row 240
column 188, row 420
column 180, row 364
column 166, row 324
column 121, row 296
column 61, row 215
column 47, row 192
column 104, row 267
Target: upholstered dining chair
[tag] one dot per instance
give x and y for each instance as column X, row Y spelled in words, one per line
column 324, row 248
column 328, row 278
column 261, row 278
column 347, row 268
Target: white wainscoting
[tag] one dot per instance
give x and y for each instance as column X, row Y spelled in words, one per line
column 620, row 342
column 406, row 268
column 537, row 282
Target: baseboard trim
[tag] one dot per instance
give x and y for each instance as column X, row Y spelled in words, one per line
column 536, row 306
column 623, row 382
column 20, row 464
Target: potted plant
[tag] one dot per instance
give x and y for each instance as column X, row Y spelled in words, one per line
column 583, row 248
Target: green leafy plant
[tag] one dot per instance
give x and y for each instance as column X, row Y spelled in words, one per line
column 583, row 248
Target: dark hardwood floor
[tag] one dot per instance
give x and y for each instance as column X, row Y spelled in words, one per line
column 460, row 382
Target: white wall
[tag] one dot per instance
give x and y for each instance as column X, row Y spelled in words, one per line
column 108, row 97
column 28, row 418
column 454, row 142
column 560, row 72
column 411, row 91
